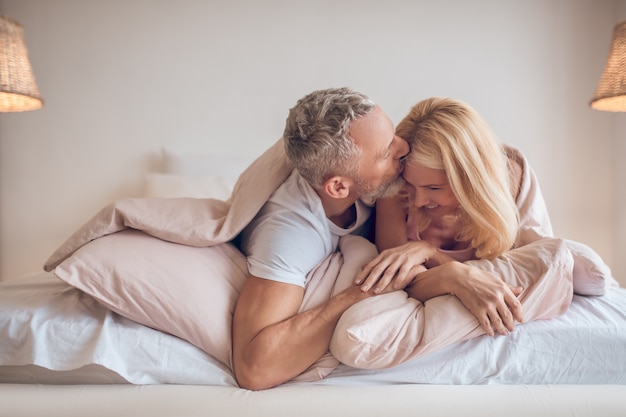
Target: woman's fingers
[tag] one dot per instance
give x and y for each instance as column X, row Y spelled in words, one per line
column 500, row 315
column 365, row 272
column 501, row 318
column 515, row 308
column 391, row 267
column 398, row 260
column 388, row 275
column 485, row 323
column 506, row 320
column 379, row 272
column 406, row 276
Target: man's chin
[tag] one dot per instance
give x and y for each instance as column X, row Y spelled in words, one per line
column 387, row 189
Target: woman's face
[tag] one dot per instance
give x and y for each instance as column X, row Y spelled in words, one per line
column 430, row 190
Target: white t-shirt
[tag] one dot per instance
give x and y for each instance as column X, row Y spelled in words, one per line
column 291, row 233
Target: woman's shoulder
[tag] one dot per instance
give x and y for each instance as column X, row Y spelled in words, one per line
column 516, row 164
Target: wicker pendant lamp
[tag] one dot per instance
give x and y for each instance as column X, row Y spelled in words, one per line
column 611, row 92
column 18, row 91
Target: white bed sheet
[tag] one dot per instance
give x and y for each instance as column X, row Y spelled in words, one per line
column 587, row 345
column 52, row 333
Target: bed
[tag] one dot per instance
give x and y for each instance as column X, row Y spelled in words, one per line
column 65, row 350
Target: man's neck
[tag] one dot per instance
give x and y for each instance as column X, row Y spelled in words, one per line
column 340, row 211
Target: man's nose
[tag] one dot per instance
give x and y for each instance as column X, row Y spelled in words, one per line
column 402, row 147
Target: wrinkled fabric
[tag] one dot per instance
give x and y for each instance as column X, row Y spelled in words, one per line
column 390, row 329
column 188, row 221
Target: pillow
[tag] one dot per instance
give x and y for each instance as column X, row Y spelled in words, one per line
column 53, row 333
column 204, row 163
column 389, row 329
column 186, row 291
column 177, row 186
column 195, row 175
column 591, row 275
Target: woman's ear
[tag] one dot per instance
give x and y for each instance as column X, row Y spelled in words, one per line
column 338, row 187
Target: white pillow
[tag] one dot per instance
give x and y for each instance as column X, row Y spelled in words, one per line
column 591, row 275
column 204, row 163
column 176, row 186
column 52, row 333
column 195, row 175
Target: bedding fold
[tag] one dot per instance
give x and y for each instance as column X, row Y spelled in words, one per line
column 188, row 221
column 390, row 329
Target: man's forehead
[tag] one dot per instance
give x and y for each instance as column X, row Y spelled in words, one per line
column 374, row 129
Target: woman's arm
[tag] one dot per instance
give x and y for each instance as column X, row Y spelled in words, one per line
column 391, row 241
column 399, row 260
column 391, row 222
column 489, row 298
column 397, row 267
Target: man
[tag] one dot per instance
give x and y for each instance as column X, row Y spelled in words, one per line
column 344, row 149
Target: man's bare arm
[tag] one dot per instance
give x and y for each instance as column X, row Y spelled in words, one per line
column 271, row 342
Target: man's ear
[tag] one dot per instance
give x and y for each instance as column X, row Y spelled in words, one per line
column 338, row 187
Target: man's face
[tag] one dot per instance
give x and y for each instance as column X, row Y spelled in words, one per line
column 380, row 166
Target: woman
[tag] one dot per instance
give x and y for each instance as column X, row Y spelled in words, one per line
column 459, row 206
column 469, row 242
column 458, row 177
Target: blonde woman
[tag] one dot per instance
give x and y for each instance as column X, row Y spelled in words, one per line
column 469, row 241
column 460, row 205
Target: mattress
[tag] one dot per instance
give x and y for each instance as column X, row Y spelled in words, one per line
column 414, row 400
column 52, row 332
column 76, row 357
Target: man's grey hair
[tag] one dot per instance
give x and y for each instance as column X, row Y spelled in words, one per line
column 316, row 134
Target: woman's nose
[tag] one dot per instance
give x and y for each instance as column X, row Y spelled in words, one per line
column 420, row 199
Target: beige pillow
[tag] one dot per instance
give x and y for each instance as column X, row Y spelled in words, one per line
column 186, row 291
column 389, row 329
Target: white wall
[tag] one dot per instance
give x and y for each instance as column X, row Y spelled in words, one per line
column 619, row 185
column 123, row 78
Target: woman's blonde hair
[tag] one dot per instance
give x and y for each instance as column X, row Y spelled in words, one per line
column 450, row 135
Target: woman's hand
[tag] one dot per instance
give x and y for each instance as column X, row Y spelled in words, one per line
column 395, row 268
column 491, row 300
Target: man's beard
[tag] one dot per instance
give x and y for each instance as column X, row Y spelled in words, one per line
column 386, row 189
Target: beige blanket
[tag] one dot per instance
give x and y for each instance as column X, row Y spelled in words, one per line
column 193, row 222
column 389, row 329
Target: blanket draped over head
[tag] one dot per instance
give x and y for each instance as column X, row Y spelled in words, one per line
column 189, row 221
column 401, row 327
